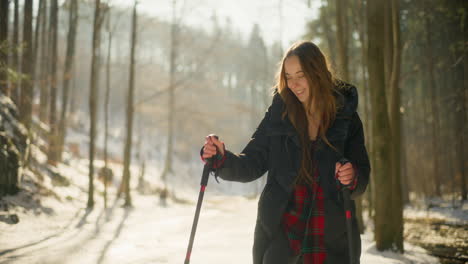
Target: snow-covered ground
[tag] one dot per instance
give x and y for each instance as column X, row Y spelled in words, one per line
column 63, row 231
column 150, row 233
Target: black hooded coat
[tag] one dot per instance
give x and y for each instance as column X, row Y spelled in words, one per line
column 275, row 148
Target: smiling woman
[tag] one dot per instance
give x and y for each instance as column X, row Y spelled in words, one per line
column 311, row 142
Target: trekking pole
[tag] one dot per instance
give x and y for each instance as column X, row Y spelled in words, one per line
column 204, row 181
column 349, row 226
column 349, row 217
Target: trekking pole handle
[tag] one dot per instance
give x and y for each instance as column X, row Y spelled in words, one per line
column 208, row 166
column 343, row 161
column 210, row 160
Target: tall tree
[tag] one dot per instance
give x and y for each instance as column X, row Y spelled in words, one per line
column 388, row 46
column 15, row 93
column 27, row 66
column 43, row 68
column 432, row 91
column 456, row 32
column 130, row 111
column 110, row 36
column 39, row 17
column 67, row 72
column 464, row 127
column 4, row 6
column 106, row 100
column 171, row 102
column 93, row 97
column 52, row 153
column 384, row 231
column 342, row 33
column 395, row 120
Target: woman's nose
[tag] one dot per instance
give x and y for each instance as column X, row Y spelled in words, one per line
column 292, row 83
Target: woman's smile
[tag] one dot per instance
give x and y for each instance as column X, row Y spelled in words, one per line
column 296, row 79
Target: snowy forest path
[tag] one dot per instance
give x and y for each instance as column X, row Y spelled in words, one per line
column 150, row 233
column 146, row 233
column 41, row 240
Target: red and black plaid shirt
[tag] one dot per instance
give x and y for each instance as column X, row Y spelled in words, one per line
column 304, row 224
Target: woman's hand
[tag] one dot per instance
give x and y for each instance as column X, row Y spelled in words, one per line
column 212, row 146
column 345, row 173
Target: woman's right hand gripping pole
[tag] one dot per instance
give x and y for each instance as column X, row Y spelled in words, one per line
column 213, row 147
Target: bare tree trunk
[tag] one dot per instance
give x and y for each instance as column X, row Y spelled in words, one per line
column 342, row 38
column 4, row 6
column 39, row 17
column 170, row 133
column 384, row 234
column 424, row 136
column 106, row 104
column 52, row 155
column 14, row 88
column 388, row 46
column 405, row 188
column 130, row 110
column 405, row 139
column 464, row 127
column 67, row 73
column 325, row 20
column 141, row 179
column 93, row 97
column 44, row 73
column 395, row 121
column 435, row 109
column 74, row 92
column 27, row 67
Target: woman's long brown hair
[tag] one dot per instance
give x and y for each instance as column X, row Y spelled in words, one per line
column 322, row 84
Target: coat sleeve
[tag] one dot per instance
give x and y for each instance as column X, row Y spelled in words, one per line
column 355, row 151
column 252, row 162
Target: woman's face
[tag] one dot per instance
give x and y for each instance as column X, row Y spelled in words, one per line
column 296, row 79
